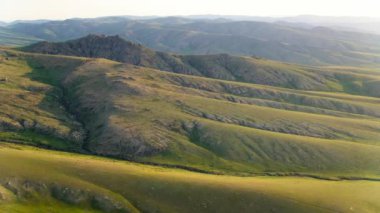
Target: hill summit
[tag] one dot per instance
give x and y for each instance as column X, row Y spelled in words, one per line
column 98, row 46
column 219, row 66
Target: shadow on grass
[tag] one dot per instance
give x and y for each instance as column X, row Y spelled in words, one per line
column 51, row 71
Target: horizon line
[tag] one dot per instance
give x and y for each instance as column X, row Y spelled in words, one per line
column 192, row 15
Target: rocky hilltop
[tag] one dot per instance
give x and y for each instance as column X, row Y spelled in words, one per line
column 220, row 66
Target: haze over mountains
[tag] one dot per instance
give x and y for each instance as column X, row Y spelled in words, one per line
column 359, row 24
column 288, row 42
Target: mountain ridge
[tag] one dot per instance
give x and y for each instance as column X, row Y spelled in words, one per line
column 283, row 42
column 221, row 66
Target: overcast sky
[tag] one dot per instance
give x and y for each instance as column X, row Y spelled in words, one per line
column 61, row 9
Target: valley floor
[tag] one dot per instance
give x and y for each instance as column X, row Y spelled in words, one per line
column 37, row 180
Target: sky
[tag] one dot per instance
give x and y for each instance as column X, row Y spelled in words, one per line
column 62, row 9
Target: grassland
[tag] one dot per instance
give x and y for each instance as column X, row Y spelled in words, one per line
column 32, row 110
column 9, row 38
column 135, row 187
column 123, row 111
column 273, row 138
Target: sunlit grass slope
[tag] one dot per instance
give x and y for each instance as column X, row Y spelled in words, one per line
column 123, row 111
column 34, row 180
column 30, row 110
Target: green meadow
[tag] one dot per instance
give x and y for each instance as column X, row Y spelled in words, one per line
column 38, row 178
column 212, row 144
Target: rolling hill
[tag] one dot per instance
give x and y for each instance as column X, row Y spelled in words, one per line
column 139, row 113
column 222, row 66
column 268, row 136
column 89, row 184
column 10, row 38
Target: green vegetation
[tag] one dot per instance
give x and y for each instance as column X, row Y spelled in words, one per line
column 10, row 38
column 32, row 110
column 89, row 183
column 36, row 139
column 141, row 114
column 295, row 142
column 222, row 66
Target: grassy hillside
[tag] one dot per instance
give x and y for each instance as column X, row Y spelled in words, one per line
column 107, row 108
column 10, row 38
column 295, row 137
column 76, row 183
column 30, row 109
column 244, row 69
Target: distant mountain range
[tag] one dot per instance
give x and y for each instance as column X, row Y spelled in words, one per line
column 360, row 24
column 318, row 45
column 291, row 41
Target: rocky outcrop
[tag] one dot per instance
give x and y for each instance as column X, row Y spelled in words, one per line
column 25, row 190
column 282, row 126
column 109, row 47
